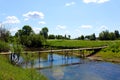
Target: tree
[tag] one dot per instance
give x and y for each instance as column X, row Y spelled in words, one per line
column 36, row 40
column 23, row 35
column 59, row 37
column 27, row 30
column 44, row 32
column 65, row 37
column 82, row 37
column 93, row 37
column 28, row 38
column 104, row 35
column 117, row 34
column 112, row 36
column 87, row 37
column 19, row 33
column 69, row 36
column 51, row 36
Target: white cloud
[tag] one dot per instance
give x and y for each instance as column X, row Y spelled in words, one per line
column 36, row 30
column 70, row 4
column 42, row 22
column 103, row 27
column 86, row 26
column 11, row 20
column 103, row 1
column 61, row 27
column 33, row 15
column 95, row 1
column 14, row 29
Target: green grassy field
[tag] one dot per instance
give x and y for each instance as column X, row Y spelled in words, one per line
column 12, row 72
column 79, row 43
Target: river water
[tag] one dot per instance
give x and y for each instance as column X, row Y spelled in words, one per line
column 75, row 68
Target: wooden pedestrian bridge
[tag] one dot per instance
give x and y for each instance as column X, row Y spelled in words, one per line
column 66, row 52
column 78, row 49
column 94, row 49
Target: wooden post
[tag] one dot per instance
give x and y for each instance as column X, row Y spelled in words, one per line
column 62, row 54
column 26, row 58
column 80, row 53
column 51, row 57
column 72, row 54
column 11, row 57
column 83, row 54
column 39, row 56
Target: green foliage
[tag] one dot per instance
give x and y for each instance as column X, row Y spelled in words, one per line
column 16, row 48
column 113, row 47
column 4, row 46
column 44, row 32
column 76, row 43
column 81, row 37
column 106, row 35
column 109, row 56
column 117, row 35
column 27, row 30
column 28, row 38
column 51, row 36
column 10, row 72
column 34, row 40
column 93, row 37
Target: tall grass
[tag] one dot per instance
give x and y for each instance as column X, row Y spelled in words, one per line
column 10, row 72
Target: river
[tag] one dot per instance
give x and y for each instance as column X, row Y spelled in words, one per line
column 74, row 68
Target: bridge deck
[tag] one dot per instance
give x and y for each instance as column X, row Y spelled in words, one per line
column 60, row 50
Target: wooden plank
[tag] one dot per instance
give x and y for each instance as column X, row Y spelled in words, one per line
column 60, row 50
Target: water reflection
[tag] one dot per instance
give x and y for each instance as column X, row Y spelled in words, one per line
column 45, row 62
column 74, row 68
column 88, row 71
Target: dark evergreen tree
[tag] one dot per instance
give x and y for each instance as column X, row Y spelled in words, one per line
column 117, row 34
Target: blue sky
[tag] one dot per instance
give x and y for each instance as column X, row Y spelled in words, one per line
column 70, row 17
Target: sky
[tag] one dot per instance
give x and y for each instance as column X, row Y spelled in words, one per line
column 70, row 17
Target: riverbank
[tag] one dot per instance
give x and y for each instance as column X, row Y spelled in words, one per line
column 12, row 72
column 106, row 56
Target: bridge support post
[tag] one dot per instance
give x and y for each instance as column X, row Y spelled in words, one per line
column 72, row 54
column 82, row 54
column 11, row 57
column 66, row 55
column 39, row 54
column 51, row 55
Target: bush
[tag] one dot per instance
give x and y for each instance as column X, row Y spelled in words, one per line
column 4, row 47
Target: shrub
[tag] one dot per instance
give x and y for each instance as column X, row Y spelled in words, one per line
column 4, row 47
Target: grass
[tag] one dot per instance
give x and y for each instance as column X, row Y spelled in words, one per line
column 11, row 72
column 77, row 43
column 108, row 56
column 111, row 53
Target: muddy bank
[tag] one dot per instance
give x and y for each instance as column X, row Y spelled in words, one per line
column 99, row 58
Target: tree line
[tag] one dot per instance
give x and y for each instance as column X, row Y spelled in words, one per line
column 104, row 35
column 28, row 38
column 52, row 36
